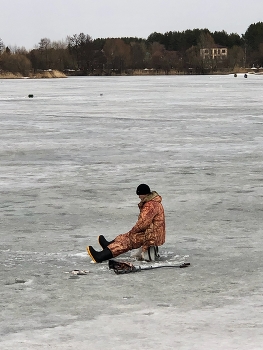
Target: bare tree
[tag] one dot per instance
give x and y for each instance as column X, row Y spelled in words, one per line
column 235, row 57
column 44, row 45
column 16, row 63
column 60, row 44
column 193, row 60
column 18, row 50
column 118, row 54
column 158, row 52
column 81, row 47
column 1, row 46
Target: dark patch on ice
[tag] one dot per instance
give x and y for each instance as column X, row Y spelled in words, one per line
column 73, row 277
column 190, row 239
column 244, row 191
column 236, row 209
column 20, row 239
column 244, row 247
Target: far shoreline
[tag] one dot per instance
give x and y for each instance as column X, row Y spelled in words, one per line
column 39, row 75
column 54, row 74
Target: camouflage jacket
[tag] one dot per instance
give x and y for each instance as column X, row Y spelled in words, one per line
column 151, row 220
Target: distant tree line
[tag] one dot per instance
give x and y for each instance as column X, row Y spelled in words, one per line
column 179, row 51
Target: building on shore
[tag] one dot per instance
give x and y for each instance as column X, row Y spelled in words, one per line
column 215, row 52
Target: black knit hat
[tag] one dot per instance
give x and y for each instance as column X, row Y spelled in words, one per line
column 143, row 189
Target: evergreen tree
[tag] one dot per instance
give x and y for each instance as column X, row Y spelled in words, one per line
column 254, row 35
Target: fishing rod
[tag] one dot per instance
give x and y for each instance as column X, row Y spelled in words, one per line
column 120, row 267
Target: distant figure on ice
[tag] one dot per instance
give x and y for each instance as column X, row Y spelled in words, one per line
column 147, row 234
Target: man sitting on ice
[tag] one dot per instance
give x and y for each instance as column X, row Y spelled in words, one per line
column 148, row 233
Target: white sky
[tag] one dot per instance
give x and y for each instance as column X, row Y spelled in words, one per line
column 25, row 22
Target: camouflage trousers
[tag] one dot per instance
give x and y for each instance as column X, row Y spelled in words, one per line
column 128, row 241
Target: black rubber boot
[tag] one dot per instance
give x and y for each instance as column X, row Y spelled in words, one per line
column 98, row 257
column 103, row 241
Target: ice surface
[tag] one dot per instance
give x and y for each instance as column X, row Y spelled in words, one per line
column 70, row 161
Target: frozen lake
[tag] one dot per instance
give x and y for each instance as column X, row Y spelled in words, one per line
column 70, row 161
